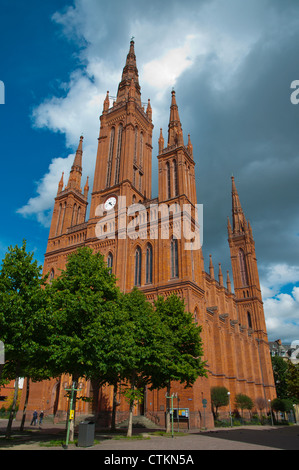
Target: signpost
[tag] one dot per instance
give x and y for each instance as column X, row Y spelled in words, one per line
column 71, row 412
column 204, row 404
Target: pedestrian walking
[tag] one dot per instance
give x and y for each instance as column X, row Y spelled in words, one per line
column 41, row 416
column 34, row 418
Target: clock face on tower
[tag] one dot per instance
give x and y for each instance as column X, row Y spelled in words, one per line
column 110, row 203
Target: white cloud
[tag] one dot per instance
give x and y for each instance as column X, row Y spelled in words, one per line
column 282, row 316
column 281, row 309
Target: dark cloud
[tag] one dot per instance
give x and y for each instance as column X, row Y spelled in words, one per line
column 248, row 128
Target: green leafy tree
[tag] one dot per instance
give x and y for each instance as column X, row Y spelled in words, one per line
column 142, row 349
column 181, row 357
column 23, row 319
column 219, row 398
column 280, row 372
column 292, row 381
column 244, row 402
column 82, row 302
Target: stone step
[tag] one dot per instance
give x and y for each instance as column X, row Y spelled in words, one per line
column 140, row 422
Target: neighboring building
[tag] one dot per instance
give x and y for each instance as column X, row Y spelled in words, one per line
column 289, row 352
column 234, row 331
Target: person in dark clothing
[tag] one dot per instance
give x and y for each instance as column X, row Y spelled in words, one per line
column 41, row 415
column 34, row 418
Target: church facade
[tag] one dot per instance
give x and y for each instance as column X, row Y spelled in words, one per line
column 153, row 243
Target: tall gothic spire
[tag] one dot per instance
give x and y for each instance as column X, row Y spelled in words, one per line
column 239, row 220
column 76, row 170
column 175, row 132
column 130, row 72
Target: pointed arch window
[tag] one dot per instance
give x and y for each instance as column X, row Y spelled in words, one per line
column 51, row 276
column 137, row 276
column 117, row 162
column 168, row 180
column 110, row 156
column 249, row 321
column 74, row 215
column 62, row 221
column 174, row 258
column 141, row 150
column 58, row 220
column 149, row 264
column 110, row 262
column 135, row 146
column 243, row 269
column 175, row 177
column 79, row 215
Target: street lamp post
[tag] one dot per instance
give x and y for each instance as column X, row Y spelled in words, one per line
column 171, row 397
column 230, row 411
column 270, row 411
column 71, row 412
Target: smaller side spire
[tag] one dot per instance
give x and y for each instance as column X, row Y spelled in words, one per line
column 211, row 268
column 239, row 221
column 175, row 132
column 220, row 275
column 190, row 146
column 60, row 185
column 106, row 103
column 228, row 282
column 149, row 110
column 86, row 188
column 161, row 141
column 74, row 181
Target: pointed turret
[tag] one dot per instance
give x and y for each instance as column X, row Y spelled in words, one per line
column 86, row 188
column 130, row 72
column 76, row 170
column 228, row 282
column 190, row 146
column 60, row 185
column 220, row 275
column 161, row 141
column 106, row 103
column 211, row 268
column 239, row 221
column 175, row 132
column 149, row 110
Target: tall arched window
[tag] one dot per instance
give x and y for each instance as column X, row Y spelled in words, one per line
column 58, row 220
column 51, row 276
column 249, row 321
column 243, row 269
column 141, row 150
column 110, row 157
column 149, row 264
column 135, row 146
column 174, row 258
column 62, row 218
column 175, row 178
column 74, row 215
column 168, row 180
column 137, row 277
column 110, row 262
column 79, row 215
column 118, row 153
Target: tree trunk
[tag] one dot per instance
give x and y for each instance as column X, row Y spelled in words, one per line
column 13, row 408
column 168, row 409
column 115, row 404
column 95, row 398
column 25, row 404
column 130, row 425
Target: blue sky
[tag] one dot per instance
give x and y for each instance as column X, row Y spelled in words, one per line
column 231, row 64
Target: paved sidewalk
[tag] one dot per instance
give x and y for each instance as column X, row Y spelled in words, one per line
column 241, row 438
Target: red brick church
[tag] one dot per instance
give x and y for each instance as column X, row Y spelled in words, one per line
column 146, row 248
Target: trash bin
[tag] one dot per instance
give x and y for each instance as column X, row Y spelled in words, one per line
column 86, row 434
